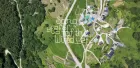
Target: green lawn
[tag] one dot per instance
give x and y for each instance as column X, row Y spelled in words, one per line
column 44, row 34
column 130, row 50
column 125, row 36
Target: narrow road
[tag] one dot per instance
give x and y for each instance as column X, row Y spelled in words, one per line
column 65, row 38
column 94, row 56
column 101, row 6
column 8, row 52
column 19, row 14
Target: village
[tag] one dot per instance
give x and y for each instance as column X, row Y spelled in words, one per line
column 95, row 20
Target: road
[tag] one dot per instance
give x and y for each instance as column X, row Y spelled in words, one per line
column 65, row 38
column 101, row 6
column 8, row 52
column 19, row 14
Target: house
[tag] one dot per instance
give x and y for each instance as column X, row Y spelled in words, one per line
column 106, row 9
column 103, row 17
column 105, row 13
column 98, row 29
column 81, row 20
column 87, row 33
column 100, row 43
column 114, row 47
column 114, row 30
column 89, row 24
column 95, row 40
column 107, row 40
column 98, row 37
column 87, row 17
column 120, row 44
column 110, row 54
column 91, row 19
column 85, row 22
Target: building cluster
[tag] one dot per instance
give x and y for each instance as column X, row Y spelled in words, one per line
column 113, row 48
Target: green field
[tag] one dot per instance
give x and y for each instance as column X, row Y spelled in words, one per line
column 77, row 10
column 126, row 37
column 49, row 29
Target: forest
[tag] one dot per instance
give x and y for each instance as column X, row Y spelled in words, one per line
column 11, row 32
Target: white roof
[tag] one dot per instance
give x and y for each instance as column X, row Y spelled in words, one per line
column 98, row 29
column 88, row 7
column 106, row 25
column 100, row 40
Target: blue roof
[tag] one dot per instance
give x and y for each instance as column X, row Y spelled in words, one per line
column 87, row 33
column 106, row 9
column 85, row 21
column 110, row 54
column 112, row 49
column 89, row 24
column 116, row 29
column 92, row 18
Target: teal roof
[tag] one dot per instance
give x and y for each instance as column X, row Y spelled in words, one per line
column 87, row 17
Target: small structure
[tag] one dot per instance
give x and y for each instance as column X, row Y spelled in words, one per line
column 98, row 29
column 82, row 20
column 98, row 36
column 106, row 9
column 110, row 54
column 89, row 24
column 85, row 22
column 114, row 47
column 105, row 13
column 86, row 33
column 120, row 44
column 100, row 43
column 91, row 19
column 95, row 40
column 121, row 22
column 106, row 25
column 103, row 17
column 107, row 39
column 114, row 31
column 87, row 17
column 100, row 18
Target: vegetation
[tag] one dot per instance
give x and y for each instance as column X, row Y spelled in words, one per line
column 136, row 35
column 52, row 9
column 129, row 55
column 11, row 32
column 39, row 43
column 48, row 32
column 32, row 45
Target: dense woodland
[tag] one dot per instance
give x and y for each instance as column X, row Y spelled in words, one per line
column 30, row 23
column 11, row 32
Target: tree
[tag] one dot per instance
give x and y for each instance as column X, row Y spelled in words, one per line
column 136, row 35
